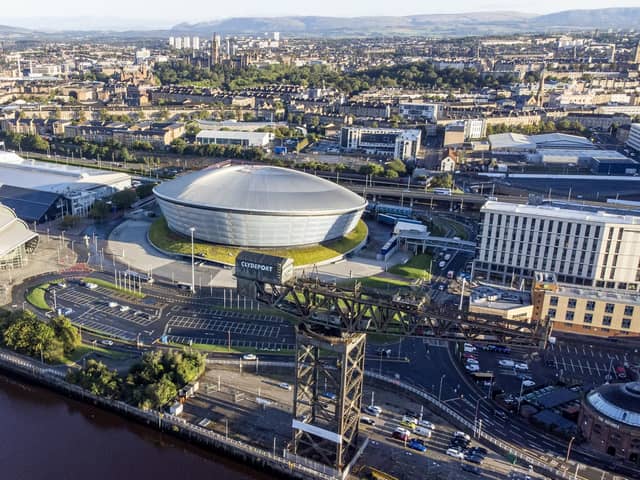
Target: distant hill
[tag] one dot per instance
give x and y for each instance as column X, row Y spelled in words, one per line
column 604, row 18
column 460, row 24
column 8, row 30
column 438, row 24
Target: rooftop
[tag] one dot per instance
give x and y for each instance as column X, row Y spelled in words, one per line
column 566, row 211
column 52, row 177
column 13, row 231
column 618, row 401
column 499, row 298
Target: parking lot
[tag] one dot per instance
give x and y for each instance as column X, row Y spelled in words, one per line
column 222, row 327
column 106, row 311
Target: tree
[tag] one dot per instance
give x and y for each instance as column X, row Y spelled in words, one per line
column 442, row 181
column 145, row 190
column 32, row 337
column 161, row 393
column 397, row 165
column 97, row 379
column 371, row 169
column 391, row 174
column 99, row 210
column 66, row 332
column 124, row 199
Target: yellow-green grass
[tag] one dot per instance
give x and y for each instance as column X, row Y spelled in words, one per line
column 225, row 349
column 416, row 267
column 112, row 286
column 36, row 297
column 165, row 239
column 379, row 283
column 84, row 349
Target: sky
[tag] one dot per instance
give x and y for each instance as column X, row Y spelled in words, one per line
column 162, row 13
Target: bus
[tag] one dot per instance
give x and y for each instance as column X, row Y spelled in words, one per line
column 442, row 191
column 139, row 276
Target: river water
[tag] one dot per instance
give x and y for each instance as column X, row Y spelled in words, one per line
column 44, row 435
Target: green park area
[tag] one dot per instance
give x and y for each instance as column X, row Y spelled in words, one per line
column 165, row 239
column 417, row 267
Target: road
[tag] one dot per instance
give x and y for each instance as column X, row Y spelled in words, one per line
column 430, row 362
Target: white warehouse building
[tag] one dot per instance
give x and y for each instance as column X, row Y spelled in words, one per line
column 226, row 137
column 258, row 206
column 582, row 245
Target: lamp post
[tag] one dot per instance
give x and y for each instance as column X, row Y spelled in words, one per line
column 193, row 264
column 569, row 449
column 440, row 390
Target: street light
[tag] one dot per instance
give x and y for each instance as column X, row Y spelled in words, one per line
column 569, row 449
column 440, row 390
column 193, row 264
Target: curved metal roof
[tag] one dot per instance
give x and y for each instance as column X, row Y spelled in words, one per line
column 13, row 231
column 257, row 189
column 618, row 401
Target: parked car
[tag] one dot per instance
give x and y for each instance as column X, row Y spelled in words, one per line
column 408, row 425
column 455, row 453
column 427, row 424
column 249, row 357
column 477, row 459
column 124, row 308
column 401, row 434
column 472, row 367
column 469, row 355
column 329, row 395
column 367, row 420
column 503, row 362
column 500, row 414
column 423, row 431
column 471, row 469
column 460, row 434
column 472, row 361
column 468, row 348
column 108, row 343
column 113, row 304
column 521, row 366
column 373, row 410
column 502, row 349
column 621, row 372
column 478, row 451
column 528, row 383
column 90, row 285
column 417, row 444
column 284, row 386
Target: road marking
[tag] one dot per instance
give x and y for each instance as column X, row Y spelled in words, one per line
column 580, row 365
column 588, row 366
column 572, row 367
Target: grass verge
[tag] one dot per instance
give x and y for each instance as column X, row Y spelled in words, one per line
column 223, row 349
column 165, row 239
column 113, row 286
column 84, row 349
column 36, row 297
column 416, row 267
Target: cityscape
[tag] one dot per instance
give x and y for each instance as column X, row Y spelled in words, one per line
column 297, row 242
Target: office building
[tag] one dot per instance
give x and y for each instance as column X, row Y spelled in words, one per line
column 634, row 137
column 195, row 43
column 386, row 142
column 186, row 43
column 454, row 135
column 582, row 245
column 419, row 111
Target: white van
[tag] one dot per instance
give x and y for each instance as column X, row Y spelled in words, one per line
column 423, row 432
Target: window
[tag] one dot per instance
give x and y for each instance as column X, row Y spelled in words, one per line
column 588, row 318
column 591, row 305
column 553, row 301
column 628, row 310
column 609, row 307
column 552, row 313
column 572, row 303
column 626, row 323
column 606, row 321
column 569, row 315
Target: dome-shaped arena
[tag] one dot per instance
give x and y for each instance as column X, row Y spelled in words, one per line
column 258, row 206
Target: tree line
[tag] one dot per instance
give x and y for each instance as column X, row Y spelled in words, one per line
column 414, row 75
column 153, row 382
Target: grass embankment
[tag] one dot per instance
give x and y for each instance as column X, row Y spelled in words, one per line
column 417, row 267
column 165, row 239
column 36, row 297
column 113, row 286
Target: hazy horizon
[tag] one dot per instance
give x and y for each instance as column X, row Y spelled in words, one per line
column 18, row 14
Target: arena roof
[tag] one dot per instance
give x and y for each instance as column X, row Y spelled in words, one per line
column 13, row 231
column 520, row 142
column 259, row 189
column 53, row 177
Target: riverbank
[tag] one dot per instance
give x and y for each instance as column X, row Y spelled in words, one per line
column 281, row 464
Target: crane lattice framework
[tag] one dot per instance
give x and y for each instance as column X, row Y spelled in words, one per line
column 331, row 344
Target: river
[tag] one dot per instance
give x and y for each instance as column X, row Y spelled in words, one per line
column 44, row 435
